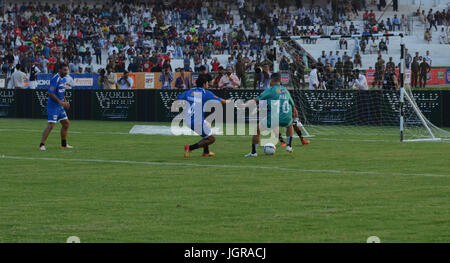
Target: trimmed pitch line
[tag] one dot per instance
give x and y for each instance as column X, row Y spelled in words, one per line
column 215, row 166
column 240, row 136
column 75, row 132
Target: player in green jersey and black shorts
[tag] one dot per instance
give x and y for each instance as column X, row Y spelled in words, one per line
column 286, row 110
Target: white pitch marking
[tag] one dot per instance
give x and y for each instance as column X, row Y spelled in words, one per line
column 318, row 138
column 216, row 166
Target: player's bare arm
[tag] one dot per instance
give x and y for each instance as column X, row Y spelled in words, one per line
column 63, row 103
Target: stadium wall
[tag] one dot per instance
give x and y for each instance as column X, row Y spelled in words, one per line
column 330, row 107
column 142, row 80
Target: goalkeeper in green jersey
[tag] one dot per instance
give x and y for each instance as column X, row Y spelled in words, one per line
column 284, row 107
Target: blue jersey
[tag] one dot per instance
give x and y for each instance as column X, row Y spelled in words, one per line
column 58, row 87
column 197, row 98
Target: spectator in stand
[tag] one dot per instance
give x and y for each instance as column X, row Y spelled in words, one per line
column 206, row 65
column 18, row 78
column 415, row 68
column 381, row 4
column 187, row 63
column 263, row 77
column 166, row 78
column 389, row 25
column 338, row 81
column 427, row 58
column 390, row 80
column 240, row 71
column 343, row 42
column 372, row 18
column 358, row 60
column 133, row 66
column 427, row 36
column 382, row 46
column 147, row 65
column 355, row 46
column 125, row 82
column 109, row 81
column 218, row 77
column 229, row 80
column 422, row 17
column 98, row 52
column 408, row 58
column 373, row 46
column 396, row 23
column 431, row 20
column 197, row 63
column 359, row 81
column 390, row 63
column 215, row 64
column 395, row 5
column 424, row 69
column 230, row 62
column 182, row 82
column 443, row 38
column 313, row 78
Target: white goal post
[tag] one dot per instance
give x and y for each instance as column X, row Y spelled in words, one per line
column 406, row 99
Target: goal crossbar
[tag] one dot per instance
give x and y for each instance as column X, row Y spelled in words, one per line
column 403, row 93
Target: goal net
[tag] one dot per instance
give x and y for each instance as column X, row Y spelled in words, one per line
column 371, row 115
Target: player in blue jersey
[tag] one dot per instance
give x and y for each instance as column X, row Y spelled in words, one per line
column 195, row 116
column 56, row 106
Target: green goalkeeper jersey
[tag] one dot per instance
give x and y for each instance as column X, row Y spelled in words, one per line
column 284, row 109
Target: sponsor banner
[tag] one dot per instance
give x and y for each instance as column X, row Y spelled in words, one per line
column 437, row 76
column 7, row 103
column 285, row 78
column 2, row 82
column 79, row 81
column 43, row 81
column 83, row 82
column 194, row 79
column 114, row 105
column 370, row 76
column 149, row 81
column 40, row 99
column 132, row 76
column 448, row 76
column 249, row 79
column 372, row 107
column 407, row 76
column 346, row 107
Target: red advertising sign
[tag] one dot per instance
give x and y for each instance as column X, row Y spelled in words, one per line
column 437, row 76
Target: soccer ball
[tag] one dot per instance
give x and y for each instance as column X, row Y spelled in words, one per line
column 269, row 149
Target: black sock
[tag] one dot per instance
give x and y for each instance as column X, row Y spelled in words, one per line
column 42, row 144
column 280, row 137
column 205, row 149
column 299, row 133
column 289, row 138
column 254, row 146
column 63, row 143
column 193, row 147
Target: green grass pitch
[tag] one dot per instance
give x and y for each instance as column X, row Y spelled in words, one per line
column 117, row 187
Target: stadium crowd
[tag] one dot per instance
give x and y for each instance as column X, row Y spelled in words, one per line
column 145, row 36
